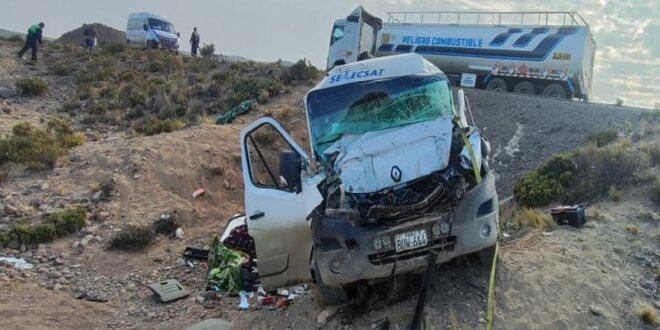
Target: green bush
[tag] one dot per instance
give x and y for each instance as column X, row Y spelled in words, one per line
column 68, row 221
column 114, row 48
column 32, row 86
column 153, row 126
column 207, row 50
column 61, row 69
column 132, row 237
column 38, row 147
column 301, row 71
column 43, row 233
column 580, row 175
column 653, row 150
column 603, row 138
column 156, row 66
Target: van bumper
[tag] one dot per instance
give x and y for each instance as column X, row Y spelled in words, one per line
column 346, row 254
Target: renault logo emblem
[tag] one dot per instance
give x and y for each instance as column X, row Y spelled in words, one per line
column 396, row 174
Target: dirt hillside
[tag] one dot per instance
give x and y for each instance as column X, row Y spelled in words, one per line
column 107, row 35
column 596, row 277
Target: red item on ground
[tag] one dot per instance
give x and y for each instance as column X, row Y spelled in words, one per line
column 199, row 192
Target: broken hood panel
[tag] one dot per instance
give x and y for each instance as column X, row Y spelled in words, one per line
column 377, row 160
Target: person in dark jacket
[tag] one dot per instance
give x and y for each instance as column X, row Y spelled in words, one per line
column 33, row 37
column 194, row 42
column 90, row 35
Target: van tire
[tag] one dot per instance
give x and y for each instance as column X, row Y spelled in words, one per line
column 497, row 85
column 486, row 255
column 524, row 87
column 555, row 91
column 331, row 296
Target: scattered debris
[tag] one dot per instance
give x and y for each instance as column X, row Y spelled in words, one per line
column 283, row 292
column 244, row 300
column 178, row 233
column 167, row 224
column 569, row 215
column 16, row 263
column 169, row 290
column 88, row 297
column 196, row 254
column 596, row 310
column 198, row 193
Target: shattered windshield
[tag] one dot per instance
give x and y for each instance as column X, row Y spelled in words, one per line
column 157, row 24
column 376, row 105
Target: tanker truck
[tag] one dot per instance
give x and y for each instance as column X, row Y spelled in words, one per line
column 545, row 53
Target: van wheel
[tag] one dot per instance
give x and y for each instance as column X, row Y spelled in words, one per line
column 524, row 87
column 497, row 85
column 555, row 91
column 331, row 296
column 486, row 255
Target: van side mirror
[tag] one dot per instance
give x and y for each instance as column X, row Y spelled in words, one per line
column 178, row 34
column 145, row 27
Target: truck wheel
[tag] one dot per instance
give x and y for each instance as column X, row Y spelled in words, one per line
column 331, row 296
column 497, row 85
column 486, row 256
column 524, row 87
column 555, row 91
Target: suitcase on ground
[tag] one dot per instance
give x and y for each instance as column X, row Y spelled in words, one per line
column 569, row 215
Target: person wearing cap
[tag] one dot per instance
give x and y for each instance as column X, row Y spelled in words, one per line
column 194, row 42
column 33, row 37
column 90, row 35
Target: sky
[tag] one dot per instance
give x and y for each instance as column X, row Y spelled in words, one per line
column 627, row 31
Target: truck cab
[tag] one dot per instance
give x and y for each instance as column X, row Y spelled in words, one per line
column 395, row 171
column 353, row 38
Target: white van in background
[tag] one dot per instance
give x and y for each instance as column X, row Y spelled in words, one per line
column 147, row 30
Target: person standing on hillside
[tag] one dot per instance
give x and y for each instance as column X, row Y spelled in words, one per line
column 90, row 37
column 194, row 42
column 33, row 37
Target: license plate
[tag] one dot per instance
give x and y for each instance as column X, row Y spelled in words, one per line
column 410, row 240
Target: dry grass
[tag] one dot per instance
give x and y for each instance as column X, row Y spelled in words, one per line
column 649, row 316
column 633, row 229
column 595, row 214
column 532, row 218
column 614, row 194
column 32, row 86
column 132, row 237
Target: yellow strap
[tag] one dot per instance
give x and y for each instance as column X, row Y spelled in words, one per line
column 490, row 305
column 477, row 173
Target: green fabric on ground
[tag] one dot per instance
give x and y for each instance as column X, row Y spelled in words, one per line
column 224, row 269
column 234, row 112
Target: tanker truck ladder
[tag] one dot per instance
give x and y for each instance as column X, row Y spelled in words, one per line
column 505, row 18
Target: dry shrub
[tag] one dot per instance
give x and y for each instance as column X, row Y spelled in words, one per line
column 531, row 218
column 649, row 316
column 633, row 229
column 263, row 98
column 61, row 69
column 32, row 86
column 653, row 150
column 603, row 138
column 153, row 126
column 195, row 110
column 39, row 147
column 68, row 221
column 581, row 175
column 614, row 194
column 132, row 237
column 166, row 225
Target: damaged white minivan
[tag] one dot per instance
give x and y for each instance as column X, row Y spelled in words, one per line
column 396, row 172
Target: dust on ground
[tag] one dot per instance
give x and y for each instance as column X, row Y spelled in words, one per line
column 595, row 277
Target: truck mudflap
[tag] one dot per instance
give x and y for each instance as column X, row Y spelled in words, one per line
column 346, row 253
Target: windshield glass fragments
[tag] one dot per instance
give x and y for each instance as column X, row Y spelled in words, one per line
column 376, row 105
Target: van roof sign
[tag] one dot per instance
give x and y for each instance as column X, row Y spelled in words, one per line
column 379, row 68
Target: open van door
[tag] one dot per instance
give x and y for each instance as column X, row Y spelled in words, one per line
column 280, row 195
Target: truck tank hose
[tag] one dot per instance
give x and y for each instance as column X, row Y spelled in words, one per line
column 473, row 158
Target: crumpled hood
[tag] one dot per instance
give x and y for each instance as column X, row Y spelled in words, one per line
column 377, row 160
column 167, row 35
